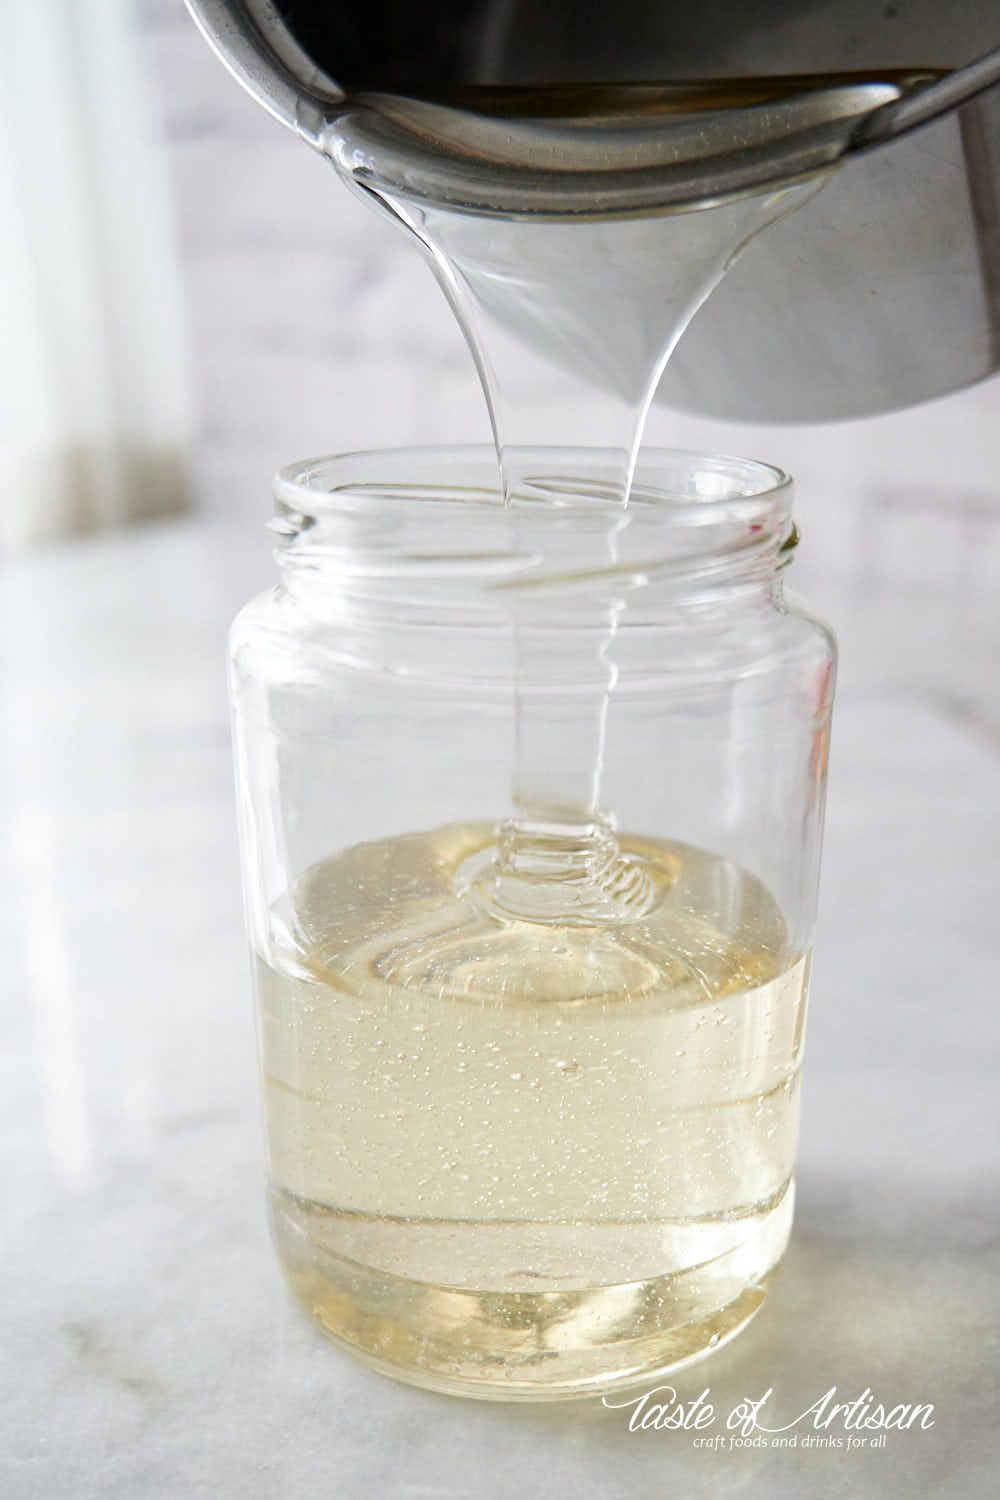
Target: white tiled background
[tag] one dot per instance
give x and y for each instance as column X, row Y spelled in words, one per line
column 316, row 327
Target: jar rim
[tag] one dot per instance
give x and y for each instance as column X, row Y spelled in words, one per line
column 434, row 519
column 675, row 479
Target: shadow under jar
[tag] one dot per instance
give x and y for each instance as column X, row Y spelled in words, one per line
column 531, row 800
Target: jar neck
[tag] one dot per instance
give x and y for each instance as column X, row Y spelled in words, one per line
column 421, row 538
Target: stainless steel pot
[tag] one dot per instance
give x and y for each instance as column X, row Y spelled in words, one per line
column 881, row 292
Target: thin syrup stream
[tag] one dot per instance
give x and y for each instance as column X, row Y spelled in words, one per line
column 599, row 304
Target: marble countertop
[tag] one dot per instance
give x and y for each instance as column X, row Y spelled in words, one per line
column 149, row 1348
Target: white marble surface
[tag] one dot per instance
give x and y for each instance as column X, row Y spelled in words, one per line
column 149, row 1348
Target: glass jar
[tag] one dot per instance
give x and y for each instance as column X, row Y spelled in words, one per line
column 531, row 801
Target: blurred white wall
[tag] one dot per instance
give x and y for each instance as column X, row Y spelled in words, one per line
column 317, row 327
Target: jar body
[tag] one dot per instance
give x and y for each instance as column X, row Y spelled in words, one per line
column 530, row 1077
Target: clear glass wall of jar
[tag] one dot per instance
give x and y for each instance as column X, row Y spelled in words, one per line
column 531, row 801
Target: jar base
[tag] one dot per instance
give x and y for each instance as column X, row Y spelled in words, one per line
column 528, row 1346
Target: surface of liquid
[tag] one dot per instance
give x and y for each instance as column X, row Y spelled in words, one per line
column 516, row 1155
